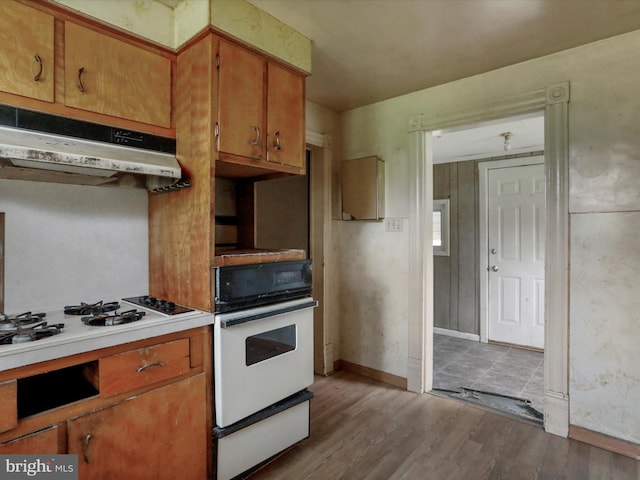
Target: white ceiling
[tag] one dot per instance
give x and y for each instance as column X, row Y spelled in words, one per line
column 485, row 140
column 365, row 51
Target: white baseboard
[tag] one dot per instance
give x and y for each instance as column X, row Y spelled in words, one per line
column 556, row 413
column 455, row 333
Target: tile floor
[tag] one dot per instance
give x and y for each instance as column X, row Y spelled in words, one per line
column 491, row 368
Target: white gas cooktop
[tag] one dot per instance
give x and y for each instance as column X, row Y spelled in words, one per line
column 77, row 337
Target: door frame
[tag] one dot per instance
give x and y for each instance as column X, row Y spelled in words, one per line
column 483, row 228
column 554, row 100
column 320, row 245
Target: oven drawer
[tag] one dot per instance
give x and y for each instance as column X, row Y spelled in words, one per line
column 130, row 370
column 240, row 449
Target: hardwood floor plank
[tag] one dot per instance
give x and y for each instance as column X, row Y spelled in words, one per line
column 366, row 430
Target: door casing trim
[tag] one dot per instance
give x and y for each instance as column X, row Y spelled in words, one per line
column 554, row 100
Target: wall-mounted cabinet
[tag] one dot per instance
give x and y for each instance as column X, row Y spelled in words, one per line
column 65, row 65
column 363, row 189
column 26, row 36
column 260, row 123
column 109, row 76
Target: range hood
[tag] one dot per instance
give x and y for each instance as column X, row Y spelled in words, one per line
column 29, row 154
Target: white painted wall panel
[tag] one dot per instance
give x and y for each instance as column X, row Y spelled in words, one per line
column 605, row 325
column 65, row 244
column 373, row 307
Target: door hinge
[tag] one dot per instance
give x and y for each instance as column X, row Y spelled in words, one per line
column 217, row 61
column 216, row 130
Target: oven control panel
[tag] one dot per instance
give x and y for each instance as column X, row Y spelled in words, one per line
column 158, row 304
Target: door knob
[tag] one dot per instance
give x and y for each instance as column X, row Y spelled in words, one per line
column 494, row 268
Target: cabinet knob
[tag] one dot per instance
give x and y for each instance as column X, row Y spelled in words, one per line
column 38, row 75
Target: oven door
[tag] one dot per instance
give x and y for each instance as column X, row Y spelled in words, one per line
column 261, row 356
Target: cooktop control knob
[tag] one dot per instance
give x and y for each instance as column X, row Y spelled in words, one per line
column 165, row 305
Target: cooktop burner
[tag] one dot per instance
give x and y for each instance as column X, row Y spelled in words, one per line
column 111, row 319
column 91, row 308
column 26, row 327
column 26, row 319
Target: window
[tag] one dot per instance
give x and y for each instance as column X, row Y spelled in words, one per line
column 270, row 344
column 441, row 227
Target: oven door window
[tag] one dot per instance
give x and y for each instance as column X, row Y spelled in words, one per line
column 270, row 344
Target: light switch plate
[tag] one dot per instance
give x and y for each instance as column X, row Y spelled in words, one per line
column 393, row 225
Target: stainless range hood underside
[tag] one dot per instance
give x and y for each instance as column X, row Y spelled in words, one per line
column 44, row 157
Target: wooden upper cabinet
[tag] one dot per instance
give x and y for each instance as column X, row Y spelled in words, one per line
column 241, row 102
column 260, row 113
column 26, row 55
column 285, row 117
column 113, row 77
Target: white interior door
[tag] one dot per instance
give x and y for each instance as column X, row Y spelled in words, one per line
column 516, row 236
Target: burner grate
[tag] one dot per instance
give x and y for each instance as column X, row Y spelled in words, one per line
column 26, row 319
column 30, row 333
column 108, row 320
column 91, row 308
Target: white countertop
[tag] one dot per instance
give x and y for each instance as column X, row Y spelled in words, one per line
column 77, row 337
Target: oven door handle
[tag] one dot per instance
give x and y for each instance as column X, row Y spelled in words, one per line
column 271, row 313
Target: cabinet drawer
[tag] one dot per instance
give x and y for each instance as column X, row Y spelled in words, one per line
column 8, row 405
column 145, row 366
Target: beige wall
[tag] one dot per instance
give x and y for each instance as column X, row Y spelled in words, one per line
column 604, row 150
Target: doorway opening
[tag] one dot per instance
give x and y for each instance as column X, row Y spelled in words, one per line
column 488, row 264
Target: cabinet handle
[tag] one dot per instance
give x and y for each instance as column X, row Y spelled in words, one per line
column 85, row 448
column 256, row 130
column 39, row 74
column 142, row 368
column 276, row 143
column 80, row 84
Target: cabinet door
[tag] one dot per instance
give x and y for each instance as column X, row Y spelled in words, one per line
column 241, row 102
column 285, row 117
column 26, row 56
column 41, row 442
column 158, row 435
column 110, row 76
column 8, row 404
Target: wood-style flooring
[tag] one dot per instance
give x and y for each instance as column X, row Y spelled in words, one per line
column 363, row 429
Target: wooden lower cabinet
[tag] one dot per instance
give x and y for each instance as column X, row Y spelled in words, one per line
column 42, row 441
column 157, row 435
column 153, row 425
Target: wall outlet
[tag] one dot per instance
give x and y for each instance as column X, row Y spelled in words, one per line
column 393, row 225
